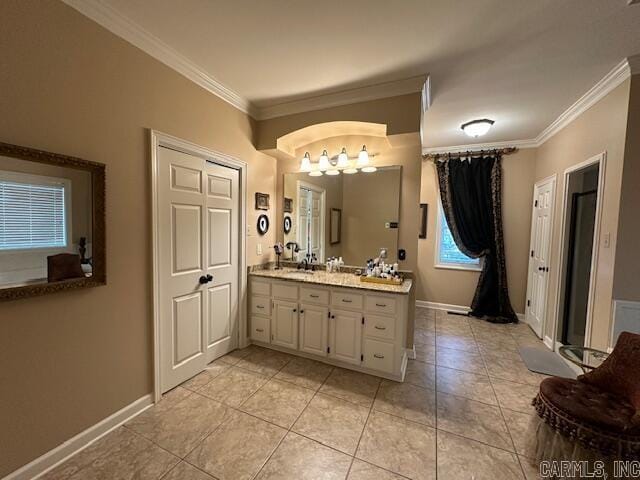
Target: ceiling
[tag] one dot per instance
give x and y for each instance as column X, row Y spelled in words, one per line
column 521, row 63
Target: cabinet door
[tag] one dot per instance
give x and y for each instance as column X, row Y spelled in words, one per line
column 284, row 324
column 345, row 333
column 314, row 322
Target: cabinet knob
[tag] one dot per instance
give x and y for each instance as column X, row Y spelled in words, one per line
column 295, row 310
column 301, row 311
column 333, row 316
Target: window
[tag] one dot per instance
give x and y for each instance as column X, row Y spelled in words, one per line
column 33, row 211
column 447, row 253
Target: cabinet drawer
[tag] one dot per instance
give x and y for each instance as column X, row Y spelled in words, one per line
column 260, row 329
column 384, row 305
column 378, row 355
column 260, row 287
column 346, row 300
column 286, row 291
column 314, row 295
column 261, row 305
column 380, row 327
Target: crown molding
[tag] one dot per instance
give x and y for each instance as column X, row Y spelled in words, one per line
column 606, row 85
column 473, row 147
column 115, row 22
column 344, row 97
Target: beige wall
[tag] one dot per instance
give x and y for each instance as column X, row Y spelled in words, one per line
column 69, row 86
column 626, row 285
column 400, row 114
column 456, row 287
column 600, row 129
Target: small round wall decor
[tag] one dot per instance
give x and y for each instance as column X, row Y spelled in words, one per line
column 263, row 224
column 287, row 224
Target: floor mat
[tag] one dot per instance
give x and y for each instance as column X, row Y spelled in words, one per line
column 545, row 361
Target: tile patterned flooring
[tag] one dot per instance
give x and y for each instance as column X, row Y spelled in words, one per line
column 463, row 413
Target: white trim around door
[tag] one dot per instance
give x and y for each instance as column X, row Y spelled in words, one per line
column 600, row 160
column 158, row 140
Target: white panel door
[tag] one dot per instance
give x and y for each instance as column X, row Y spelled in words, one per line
column 304, row 201
column 315, row 225
column 198, row 213
column 314, row 325
column 284, row 324
column 345, row 334
column 538, row 276
column 222, row 203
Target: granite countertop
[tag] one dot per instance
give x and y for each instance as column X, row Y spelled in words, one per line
column 321, row 277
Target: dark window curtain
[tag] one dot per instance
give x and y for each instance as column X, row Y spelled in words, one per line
column 471, row 193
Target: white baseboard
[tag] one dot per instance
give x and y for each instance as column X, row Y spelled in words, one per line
column 453, row 308
column 62, row 452
column 548, row 341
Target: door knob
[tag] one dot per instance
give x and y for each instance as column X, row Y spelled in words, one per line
column 205, row 279
column 541, row 269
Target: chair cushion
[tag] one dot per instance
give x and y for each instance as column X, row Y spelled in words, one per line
column 620, row 372
column 589, row 404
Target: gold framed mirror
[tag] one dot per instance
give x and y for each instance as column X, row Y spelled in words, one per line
column 52, row 223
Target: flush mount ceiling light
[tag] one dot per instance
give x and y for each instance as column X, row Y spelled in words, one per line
column 477, row 128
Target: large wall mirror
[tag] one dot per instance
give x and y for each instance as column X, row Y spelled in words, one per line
column 52, row 222
column 348, row 216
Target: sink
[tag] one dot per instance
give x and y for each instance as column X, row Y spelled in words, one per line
column 300, row 274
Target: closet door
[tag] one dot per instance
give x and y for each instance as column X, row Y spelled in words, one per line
column 304, row 201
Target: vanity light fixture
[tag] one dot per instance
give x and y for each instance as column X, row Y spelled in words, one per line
column 343, row 159
column 332, row 172
column 350, row 171
column 305, row 164
column 323, row 163
column 477, row 128
column 363, row 157
column 315, row 173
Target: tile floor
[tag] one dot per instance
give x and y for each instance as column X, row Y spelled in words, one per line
column 463, row 413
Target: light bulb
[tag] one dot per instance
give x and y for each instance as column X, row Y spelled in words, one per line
column 305, row 163
column 324, row 164
column 343, row 159
column 369, row 169
column 477, row 128
column 332, row 172
column 350, row 171
column 363, row 157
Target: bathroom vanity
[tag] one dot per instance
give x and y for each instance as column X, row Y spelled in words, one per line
column 331, row 317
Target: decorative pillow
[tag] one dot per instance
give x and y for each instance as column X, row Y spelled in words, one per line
column 63, row 267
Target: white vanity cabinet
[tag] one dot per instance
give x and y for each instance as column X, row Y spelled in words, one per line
column 354, row 328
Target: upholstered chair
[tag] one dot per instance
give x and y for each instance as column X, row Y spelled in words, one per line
column 595, row 418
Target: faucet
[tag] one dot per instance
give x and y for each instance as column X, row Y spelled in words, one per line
column 294, row 247
column 304, row 263
column 308, row 262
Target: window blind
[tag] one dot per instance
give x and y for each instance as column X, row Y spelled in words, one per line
column 31, row 216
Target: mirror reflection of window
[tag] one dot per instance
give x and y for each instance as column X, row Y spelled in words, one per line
column 45, row 210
